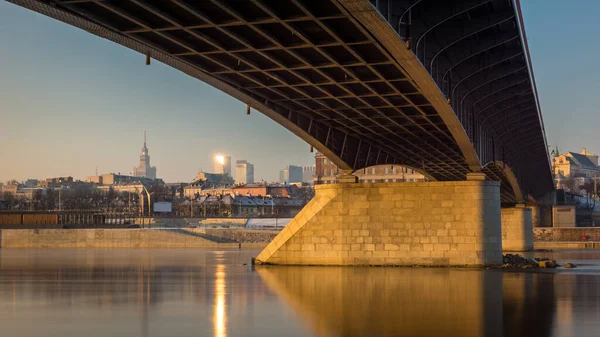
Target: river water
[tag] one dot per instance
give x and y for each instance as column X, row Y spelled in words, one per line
column 171, row 293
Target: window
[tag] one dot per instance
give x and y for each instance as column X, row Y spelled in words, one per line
column 394, row 171
column 386, row 171
column 372, row 170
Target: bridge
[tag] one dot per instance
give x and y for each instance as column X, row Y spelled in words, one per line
column 445, row 87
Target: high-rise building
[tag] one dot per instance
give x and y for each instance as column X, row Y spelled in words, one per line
column 244, row 172
column 308, row 173
column 144, row 169
column 222, row 164
column 291, row 174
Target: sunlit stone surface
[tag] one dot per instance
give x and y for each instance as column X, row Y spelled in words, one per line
column 429, row 223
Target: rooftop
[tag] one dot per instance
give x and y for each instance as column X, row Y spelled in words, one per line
column 581, row 160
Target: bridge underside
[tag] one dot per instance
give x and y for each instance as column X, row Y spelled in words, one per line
column 364, row 85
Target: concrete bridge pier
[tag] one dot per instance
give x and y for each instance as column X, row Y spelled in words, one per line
column 427, row 223
column 517, row 228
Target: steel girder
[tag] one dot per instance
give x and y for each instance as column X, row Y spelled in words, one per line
column 334, row 76
column 510, row 188
column 475, row 52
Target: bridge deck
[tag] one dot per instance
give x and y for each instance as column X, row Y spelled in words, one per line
column 317, row 69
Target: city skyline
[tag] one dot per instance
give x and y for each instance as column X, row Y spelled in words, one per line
column 117, row 96
column 112, row 98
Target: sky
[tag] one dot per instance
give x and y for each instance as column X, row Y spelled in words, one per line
column 71, row 102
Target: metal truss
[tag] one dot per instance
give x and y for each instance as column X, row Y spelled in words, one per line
column 316, row 69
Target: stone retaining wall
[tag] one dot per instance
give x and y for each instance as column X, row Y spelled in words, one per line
column 200, row 222
column 237, row 235
column 223, row 222
column 565, row 234
column 101, row 238
column 567, row 245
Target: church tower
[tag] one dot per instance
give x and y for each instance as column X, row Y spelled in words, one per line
column 144, row 169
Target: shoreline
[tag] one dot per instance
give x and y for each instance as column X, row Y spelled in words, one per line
column 179, row 238
column 134, row 238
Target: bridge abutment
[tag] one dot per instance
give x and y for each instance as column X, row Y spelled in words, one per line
column 517, row 228
column 431, row 223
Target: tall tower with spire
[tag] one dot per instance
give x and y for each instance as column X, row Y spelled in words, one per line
column 144, row 169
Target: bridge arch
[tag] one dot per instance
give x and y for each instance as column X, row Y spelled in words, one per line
column 510, row 190
column 437, row 93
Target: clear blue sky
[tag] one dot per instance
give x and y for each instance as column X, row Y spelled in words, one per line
column 70, row 101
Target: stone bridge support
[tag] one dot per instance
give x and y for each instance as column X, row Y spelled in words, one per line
column 517, row 228
column 431, row 223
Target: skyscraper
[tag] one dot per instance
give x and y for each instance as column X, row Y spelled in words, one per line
column 222, row 164
column 144, row 169
column 291, row 174
column 308, row 173
column 244, row 172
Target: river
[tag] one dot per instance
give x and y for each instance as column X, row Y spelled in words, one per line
column 109, row 293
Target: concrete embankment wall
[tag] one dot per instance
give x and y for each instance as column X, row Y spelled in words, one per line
column 566, row 234
column 237, row 235
column 201, row 222
column 102, row 238
column 566, row 238
column 62, row 226
column 236, row 222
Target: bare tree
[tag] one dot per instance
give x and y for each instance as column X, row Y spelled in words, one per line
column 588, row 187
column 568, row 184
column 49, row 200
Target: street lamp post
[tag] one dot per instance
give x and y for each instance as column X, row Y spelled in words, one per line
column 141, row 201
column 594, row 197
column 149, row 206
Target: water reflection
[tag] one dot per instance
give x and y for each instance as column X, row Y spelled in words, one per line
column 390, row 301
column 127, row 293
column 529, row 304
column 193, row 292
column 220, row 318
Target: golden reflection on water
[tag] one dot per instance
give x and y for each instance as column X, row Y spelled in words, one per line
column 390, row 301
column 412, row 302
column 220, row 317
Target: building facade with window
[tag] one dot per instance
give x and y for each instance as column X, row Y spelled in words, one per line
column 308, row 173
column 576, row 165
column 244, row 172
column 326, row 173
column 291, row 174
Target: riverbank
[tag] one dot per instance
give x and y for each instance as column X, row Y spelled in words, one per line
column 566, row 238
column 180, row 292
column 134, row 238
column 567, row 245
column 196, row 238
